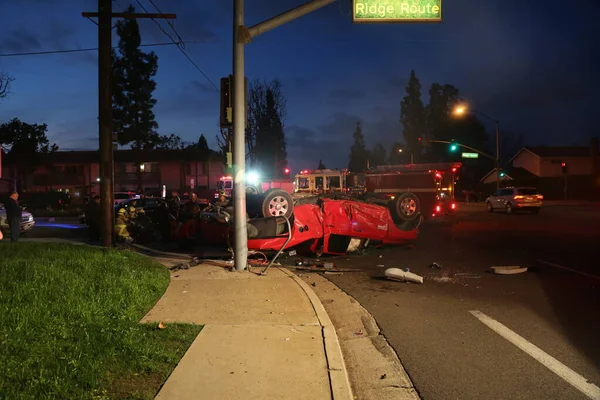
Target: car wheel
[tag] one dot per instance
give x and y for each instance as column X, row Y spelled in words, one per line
column 406, row 207
column 277, row 203
column 251, row 190
column 509, row 208
column 489, row 207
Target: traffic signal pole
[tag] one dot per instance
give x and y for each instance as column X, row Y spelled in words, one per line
column 242, row 36
column 105, row 123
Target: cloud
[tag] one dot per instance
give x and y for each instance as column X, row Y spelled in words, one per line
column 347, row 94
column 190, row 99
column 203, row 87
column 24, row 39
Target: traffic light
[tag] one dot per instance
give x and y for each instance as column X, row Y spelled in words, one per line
column 453, row 147
column 226, row 108
column 565, row 167
column 502, row 174
column 286, row 171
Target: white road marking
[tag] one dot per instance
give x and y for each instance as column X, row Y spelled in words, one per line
column 568, row 269
column 577, row 381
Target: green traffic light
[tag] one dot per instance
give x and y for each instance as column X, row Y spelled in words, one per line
column 501, row 174
column 453, row 147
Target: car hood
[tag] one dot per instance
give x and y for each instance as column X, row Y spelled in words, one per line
column 25, row 213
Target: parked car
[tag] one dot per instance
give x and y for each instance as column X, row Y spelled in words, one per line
column 149, row 204
column 511, row 199
column 27, row 221
column 122, row 196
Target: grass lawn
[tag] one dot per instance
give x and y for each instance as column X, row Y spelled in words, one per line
column 69, row 324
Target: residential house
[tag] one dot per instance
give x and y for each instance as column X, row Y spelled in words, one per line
column 79, row 171
column 543, row 167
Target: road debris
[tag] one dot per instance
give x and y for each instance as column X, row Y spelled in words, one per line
column 435, row 265
column 397, row 274
column 509, row 270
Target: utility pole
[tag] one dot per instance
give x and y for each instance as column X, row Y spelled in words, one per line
column 242, row 36
column 105, row 16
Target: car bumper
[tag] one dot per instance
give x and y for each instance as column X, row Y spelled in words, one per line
column 27, row 226
column 531, row 204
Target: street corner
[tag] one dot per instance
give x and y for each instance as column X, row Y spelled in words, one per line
column 374, row 370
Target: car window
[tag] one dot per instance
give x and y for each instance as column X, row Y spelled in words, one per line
column 498, row 193
column 528, row 191
column 506, row 192
column 151, row 203
column 122, row 196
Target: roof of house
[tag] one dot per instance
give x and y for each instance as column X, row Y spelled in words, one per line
column 93, row 156
column 557, row 151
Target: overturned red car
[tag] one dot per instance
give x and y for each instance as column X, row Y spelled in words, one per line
column 327, row 226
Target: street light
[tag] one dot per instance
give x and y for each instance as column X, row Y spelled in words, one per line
column 399, row 150
column 462, row 109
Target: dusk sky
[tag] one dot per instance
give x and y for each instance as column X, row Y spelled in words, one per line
column 532, row 65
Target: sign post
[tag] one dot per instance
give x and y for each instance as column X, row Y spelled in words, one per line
column 373, row 11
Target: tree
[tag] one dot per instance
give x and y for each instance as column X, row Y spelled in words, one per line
column 202, row 143
column 265, row 134
column 171, row 142
column 378, row 155
column 358, row 152
column 442, row 99
column 412, row 115
column 133, row 88
column 25, row 143
column 5, row 84
column 321, row 165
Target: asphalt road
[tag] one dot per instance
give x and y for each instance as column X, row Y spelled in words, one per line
column 448, row 352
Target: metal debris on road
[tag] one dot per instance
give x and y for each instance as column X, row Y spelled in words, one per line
column 435, row 265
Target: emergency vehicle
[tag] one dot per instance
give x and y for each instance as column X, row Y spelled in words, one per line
column 255, row 184
column 407, row 189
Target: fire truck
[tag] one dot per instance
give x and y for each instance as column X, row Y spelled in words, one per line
column 408, row 190
column 254, row 184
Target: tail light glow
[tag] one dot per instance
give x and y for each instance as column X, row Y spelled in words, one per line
column 438, row 209
column 518, row 197
column 453, row 206
column 540, row 197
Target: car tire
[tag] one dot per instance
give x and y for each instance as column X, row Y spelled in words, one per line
column 509, row 208
column 277, row 203
column 489, row 207
column 406, row 207
column 251, row 190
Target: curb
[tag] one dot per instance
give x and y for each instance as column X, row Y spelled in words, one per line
column 158, row 253
column 338, row 375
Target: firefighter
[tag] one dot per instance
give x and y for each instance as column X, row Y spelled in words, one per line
column 223, row 200
column 132, row 213
column 121, row 226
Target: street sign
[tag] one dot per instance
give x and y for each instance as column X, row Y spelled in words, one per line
column 373, row 11
column 470, row 155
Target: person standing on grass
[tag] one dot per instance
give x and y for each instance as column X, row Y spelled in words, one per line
column 14, row 213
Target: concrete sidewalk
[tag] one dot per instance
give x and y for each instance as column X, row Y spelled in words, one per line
column 264, row 337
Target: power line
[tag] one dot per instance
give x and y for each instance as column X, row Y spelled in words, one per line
column 169, row 23
column 39, row 53
column 155, row 21
column 180, row 46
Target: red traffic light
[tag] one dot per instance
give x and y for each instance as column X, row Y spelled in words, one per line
column 287, row 171
column 563, row 164
column 453, row 169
